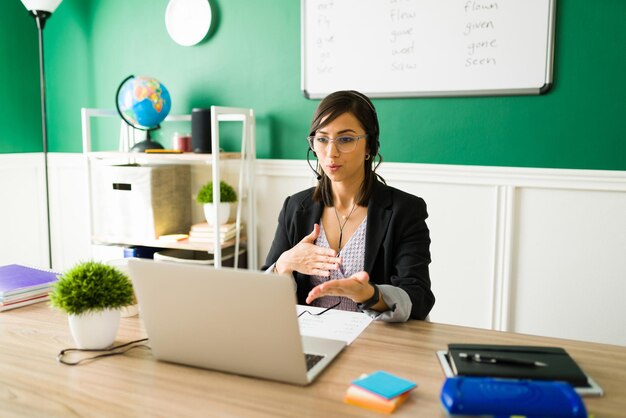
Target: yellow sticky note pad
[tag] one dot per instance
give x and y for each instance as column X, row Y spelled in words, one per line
column 173, row 237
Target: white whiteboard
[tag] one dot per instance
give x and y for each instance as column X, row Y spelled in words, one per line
column 423, row 48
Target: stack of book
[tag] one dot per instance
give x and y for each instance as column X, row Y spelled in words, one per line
column 379, row 391
column 21, row 285
column 203, row 232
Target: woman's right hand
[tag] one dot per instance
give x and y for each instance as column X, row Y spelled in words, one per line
column 308, row 258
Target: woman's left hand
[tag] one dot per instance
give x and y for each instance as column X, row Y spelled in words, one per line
column 356, row 287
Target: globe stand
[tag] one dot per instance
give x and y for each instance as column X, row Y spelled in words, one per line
column 133, row 98
column 146, row 144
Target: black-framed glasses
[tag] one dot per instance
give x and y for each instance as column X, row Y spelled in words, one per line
column 344, row 143
column 321, row 312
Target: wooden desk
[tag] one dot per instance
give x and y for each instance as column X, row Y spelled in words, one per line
column 34, row 384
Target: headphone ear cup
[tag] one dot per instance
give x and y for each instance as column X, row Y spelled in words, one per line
column 374, row 147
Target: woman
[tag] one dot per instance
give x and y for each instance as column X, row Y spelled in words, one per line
column 353, row 242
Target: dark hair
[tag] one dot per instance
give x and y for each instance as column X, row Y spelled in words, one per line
column 359, row 105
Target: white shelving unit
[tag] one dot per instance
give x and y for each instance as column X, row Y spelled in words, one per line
column 245, row 187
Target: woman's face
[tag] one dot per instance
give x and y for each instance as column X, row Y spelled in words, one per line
column 341, row 165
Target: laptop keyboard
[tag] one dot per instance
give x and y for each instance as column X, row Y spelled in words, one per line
column 312, row 360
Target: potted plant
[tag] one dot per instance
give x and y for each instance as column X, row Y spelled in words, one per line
column 228, row 195
column 92, row 294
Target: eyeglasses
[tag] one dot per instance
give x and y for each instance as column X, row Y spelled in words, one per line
column 343, row 143
column 321, row 312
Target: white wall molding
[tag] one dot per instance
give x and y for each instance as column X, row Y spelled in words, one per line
column 508, row 244
column 282, row 168
column 503, row 256
column 549, row 178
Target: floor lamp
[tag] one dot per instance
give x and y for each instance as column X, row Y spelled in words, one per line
column 41, row 10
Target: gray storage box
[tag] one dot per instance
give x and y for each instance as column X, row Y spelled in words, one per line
column 135, row 203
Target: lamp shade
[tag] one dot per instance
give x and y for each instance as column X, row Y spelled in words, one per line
column 41, row 5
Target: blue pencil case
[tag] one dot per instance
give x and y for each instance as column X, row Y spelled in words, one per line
column 506, row 397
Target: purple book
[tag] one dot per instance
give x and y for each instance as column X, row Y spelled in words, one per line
column 15, row 278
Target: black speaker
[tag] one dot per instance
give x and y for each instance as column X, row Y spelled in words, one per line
column 201, row 131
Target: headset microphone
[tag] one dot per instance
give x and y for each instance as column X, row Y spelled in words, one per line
column 319, row 177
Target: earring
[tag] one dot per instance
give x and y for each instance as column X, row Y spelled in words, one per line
column 367, row 157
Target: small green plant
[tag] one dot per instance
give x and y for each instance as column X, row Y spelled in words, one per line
column 91, row 286
column 227, row 193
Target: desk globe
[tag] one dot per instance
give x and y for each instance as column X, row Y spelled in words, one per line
column 143, row 103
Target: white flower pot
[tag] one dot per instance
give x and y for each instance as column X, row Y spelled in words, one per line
column 95, row 330
column 224, row 212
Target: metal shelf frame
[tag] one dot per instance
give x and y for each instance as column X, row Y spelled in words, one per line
column 245, row 187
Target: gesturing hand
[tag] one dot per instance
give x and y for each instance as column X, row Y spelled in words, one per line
column 308, row 258
column 356, row 287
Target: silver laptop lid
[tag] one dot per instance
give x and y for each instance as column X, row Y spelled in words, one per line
column 238, row 321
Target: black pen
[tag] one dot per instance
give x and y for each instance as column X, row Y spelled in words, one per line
column 478, row 358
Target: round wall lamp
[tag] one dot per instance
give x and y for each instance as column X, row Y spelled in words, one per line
column 188, row 21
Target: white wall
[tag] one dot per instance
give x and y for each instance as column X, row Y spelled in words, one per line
column 538, row 251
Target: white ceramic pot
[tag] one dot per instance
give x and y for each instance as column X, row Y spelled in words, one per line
column 95, row 330
column 224, row 212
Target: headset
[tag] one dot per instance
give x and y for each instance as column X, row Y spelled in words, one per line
column 308, row 161
column 374, row 142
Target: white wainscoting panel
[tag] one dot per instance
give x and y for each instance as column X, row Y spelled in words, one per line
column 69, row 208
column 463, row 243
column 23, row 219
column 539, row 251
column 275, row 181
column 570, row 264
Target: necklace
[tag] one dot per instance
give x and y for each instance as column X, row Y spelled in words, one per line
column 346, row 218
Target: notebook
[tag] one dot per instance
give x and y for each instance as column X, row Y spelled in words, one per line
column 235, row 321
column 509, row 361
column 22, row 285
column 15, row 278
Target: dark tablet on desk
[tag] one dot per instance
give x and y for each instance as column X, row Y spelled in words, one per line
column 556, row 364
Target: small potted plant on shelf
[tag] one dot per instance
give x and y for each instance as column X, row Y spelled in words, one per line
column 92, row 294
column 228, row 195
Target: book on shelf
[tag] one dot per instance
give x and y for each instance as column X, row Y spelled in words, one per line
column 173, row 237
column 205, row 227
column 211, row 237
column 207, row 233
column 212, row 233
column 379, row 391
column 22, row 285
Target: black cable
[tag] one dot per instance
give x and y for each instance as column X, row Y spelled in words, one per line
column 106, row 352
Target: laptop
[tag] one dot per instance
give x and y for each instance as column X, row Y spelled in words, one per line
column 235, row 321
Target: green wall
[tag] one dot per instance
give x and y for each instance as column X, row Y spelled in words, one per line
column 20, row 105
column 252, row 59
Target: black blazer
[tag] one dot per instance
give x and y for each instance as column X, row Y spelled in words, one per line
column 397, row 242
